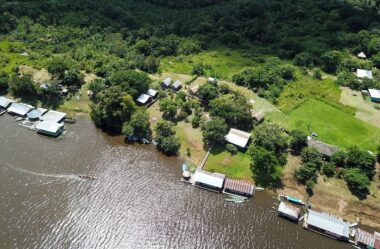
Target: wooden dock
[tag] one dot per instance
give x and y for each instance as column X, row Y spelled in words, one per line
column 202, row 164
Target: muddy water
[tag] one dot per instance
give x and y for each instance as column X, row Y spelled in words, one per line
column 137, row 200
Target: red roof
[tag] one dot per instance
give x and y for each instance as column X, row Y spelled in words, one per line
column 238, row 186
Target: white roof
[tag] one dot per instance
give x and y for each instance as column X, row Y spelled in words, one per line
column 289, row 210
column 19, row 109
column 362, row 55
column 374, row 93
column 328, row 223
column 152, row 92
column 177, row 84
column 53, row 116
column 167, row 81
column 208, row 178
column 42, row 110
column 211, row 79
column 143, row 98
column 47, row 126
column 361, row 73
column 5, row 102
column 238, row 137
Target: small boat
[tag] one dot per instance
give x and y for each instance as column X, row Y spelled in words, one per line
column 293, row 199
column 87, row 177
column 132, row 138
column 259, row 188
column 145, row 141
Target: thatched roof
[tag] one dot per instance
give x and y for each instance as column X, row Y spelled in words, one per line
column 323, row 148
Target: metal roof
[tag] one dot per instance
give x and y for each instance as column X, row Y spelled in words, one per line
column 289, row 210
column 42, row 110
column 34, row 114
column 143, row 99
column 238, row 186
column 374, row 93
column 53, row 116
column 361, row 73
column 167, row 81
column 328, row 223
column 365, row 237
column 152, row 92
column 19, row 109
column 50, row 127
column 5, row 102
column 208, row 178
column 362, row 55
column 238, row 137
column 177, row 84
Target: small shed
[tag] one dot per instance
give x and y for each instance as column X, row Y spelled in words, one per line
column 177, row 85
column 326, row 150
column 208, row 180
column 258, row 116
column 327, row 224
column 53, row 116
column 375, row 95
column 362, row 55
column 19, row 109
column 238, row 187
column 361, row 73
column 5, row 102
column 153, row 93
column 50, row 128
column 166, row 82
column 288, row 211
column 238, row 137
column 194, row 90
column 212, row 80
column 144, row 99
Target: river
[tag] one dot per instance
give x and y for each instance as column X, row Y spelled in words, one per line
column 137, row 200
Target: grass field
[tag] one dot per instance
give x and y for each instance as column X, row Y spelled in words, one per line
column 224, row 62
column 334, row 126
column 15, row 59
column 237, row 167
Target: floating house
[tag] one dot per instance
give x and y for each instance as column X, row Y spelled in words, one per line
column 5, row 102
column 153, row 93
column 238, row 187
column 327, row 225
column 362, row 55
column 288, row 211
column 208, row 180
column 19, row 109
column 53, row 116
column 50, row 128
column 364, row 239
column 144, row 99
column 177, row 85
column 375, row 95
column 327, row 150
column 238, row 137
column 166, row 83
column 34, row 115
column 361, row 73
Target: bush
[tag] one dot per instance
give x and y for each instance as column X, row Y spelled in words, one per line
column 298, row 141
column 311, row 155
column 328, row 169
column 357, row 181
column 4, row 82
column 231, row 149
column 339, row 159
column 306, row 172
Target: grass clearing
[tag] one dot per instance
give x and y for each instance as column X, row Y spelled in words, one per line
column 365, row 109
column 224, row 62
column 75, row 106
column 334, row 126
column 237, row 166
column 15, row 59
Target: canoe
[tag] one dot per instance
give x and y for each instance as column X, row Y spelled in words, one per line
column 295, row 200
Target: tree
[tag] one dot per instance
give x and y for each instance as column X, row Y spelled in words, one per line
column 169, row 107
column 4, row 82
column 198, row 69
column 331, row 61
column 164, row 129
column 271, row 137
column 265, row 168
column 357, row 181
column 339, row 158
column 96, row 86
column 304, row 59
column 307, row 171
column 23, row 86
column 73, row 77
column 208, row 92
column 214, row 131
column 151, row 64
column 132, row 82
column 311, row 155
column 328, row 169
column 317, row 74
column 298, row 141
column 166, row 139
column 57, row 67
column 112, row 109
column 231, row 149
column 139, row 125
column 143, row 47
column 361, row 159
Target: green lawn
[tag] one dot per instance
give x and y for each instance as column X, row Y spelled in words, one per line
column 225, row 62
column 15, row 59
column 334, row 126
column 237, row 167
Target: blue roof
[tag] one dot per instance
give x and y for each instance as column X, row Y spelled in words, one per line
column 34, row 114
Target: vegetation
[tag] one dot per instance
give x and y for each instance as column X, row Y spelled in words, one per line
column 166, row 139
column 214, row 131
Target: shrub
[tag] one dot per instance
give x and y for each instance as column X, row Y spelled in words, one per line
column 231, row 149
column 328, row 169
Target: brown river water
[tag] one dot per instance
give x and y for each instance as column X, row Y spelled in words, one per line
column 137, row 200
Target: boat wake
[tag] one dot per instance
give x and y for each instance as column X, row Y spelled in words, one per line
column 59, row 176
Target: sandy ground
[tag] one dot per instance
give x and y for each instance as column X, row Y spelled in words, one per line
column 332, row 195
column 365, row 109
column 39, row 75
